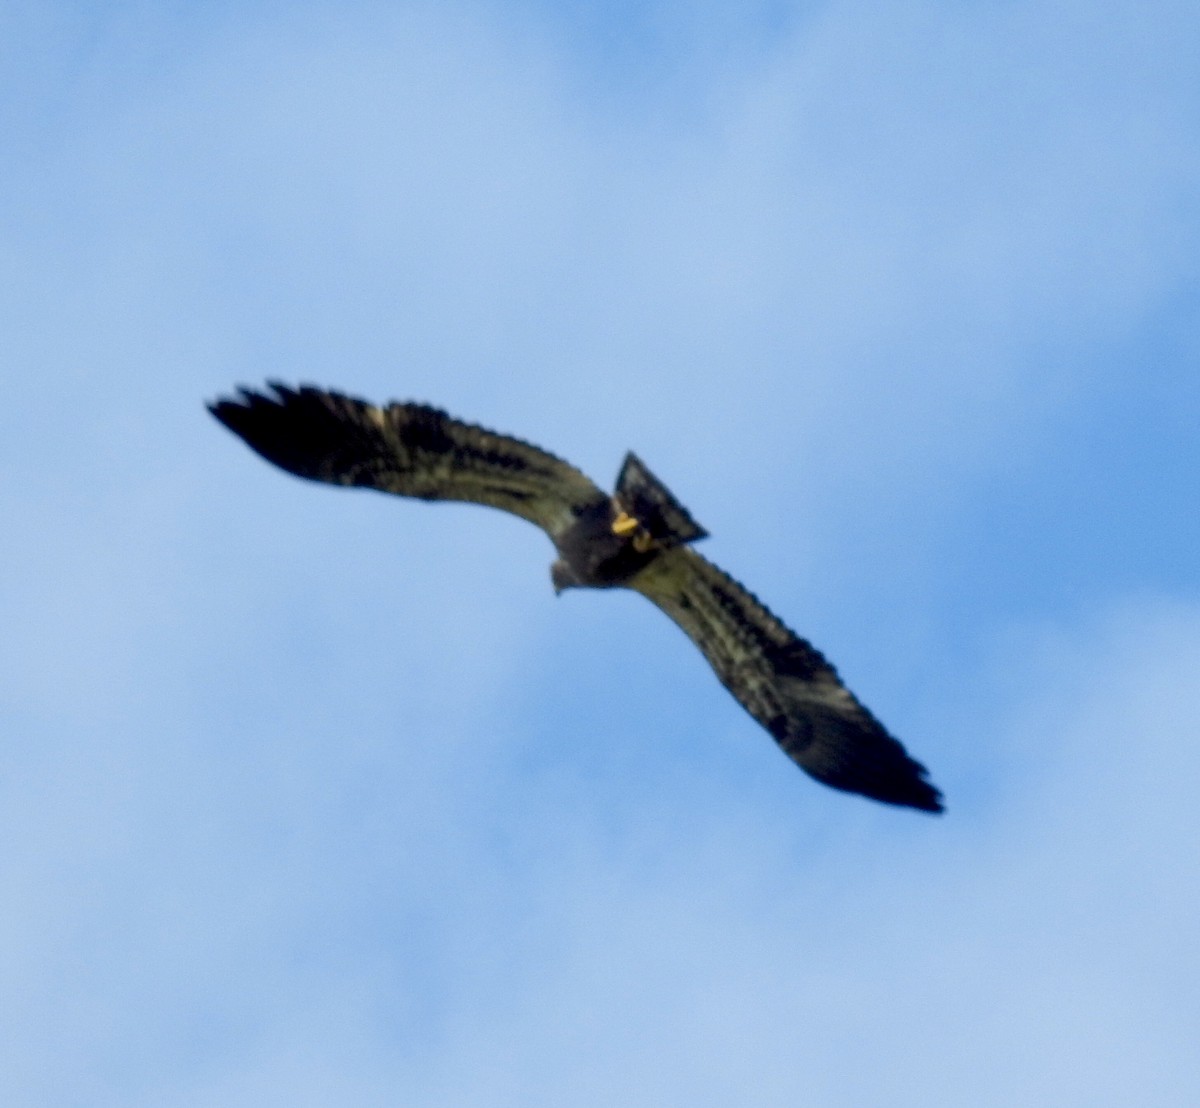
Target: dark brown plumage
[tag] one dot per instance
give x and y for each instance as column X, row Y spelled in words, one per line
column 637, row 538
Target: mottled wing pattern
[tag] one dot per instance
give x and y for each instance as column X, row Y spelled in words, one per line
column 785, row 683
column 406, row 449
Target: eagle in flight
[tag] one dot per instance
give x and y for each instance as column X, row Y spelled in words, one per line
column 638, row 538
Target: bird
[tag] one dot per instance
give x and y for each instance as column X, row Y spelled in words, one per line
column 638, row 537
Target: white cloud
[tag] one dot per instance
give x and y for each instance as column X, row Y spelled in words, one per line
column 1042, row 952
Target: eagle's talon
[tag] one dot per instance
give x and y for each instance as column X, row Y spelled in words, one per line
column 624, row 523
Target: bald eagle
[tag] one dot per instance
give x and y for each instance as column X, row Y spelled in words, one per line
column 639, row 538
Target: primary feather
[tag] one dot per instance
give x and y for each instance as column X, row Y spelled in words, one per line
column 637, row 538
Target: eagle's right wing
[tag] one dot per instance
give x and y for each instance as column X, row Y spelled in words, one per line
column 784, row 683
column 407, row 449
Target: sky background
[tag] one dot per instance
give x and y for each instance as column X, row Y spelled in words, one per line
column 312, row 797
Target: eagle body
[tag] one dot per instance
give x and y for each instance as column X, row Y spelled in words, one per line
column 611, row 543
column 638, row 537
column 594, row 556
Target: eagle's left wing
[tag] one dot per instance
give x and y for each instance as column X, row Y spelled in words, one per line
column 409, row 450
column 784, row 683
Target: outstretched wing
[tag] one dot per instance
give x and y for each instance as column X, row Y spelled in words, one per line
column 784, row 683
column 406, row 449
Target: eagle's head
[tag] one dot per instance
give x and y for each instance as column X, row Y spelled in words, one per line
column 562, row 576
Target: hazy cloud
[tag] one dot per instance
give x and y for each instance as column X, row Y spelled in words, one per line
column 318, row 798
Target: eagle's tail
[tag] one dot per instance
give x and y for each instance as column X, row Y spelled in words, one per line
column 650, row 502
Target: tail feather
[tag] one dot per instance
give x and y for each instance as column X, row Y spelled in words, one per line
column 654, row 506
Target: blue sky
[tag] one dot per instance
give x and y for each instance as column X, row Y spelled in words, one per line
column 311, row 797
